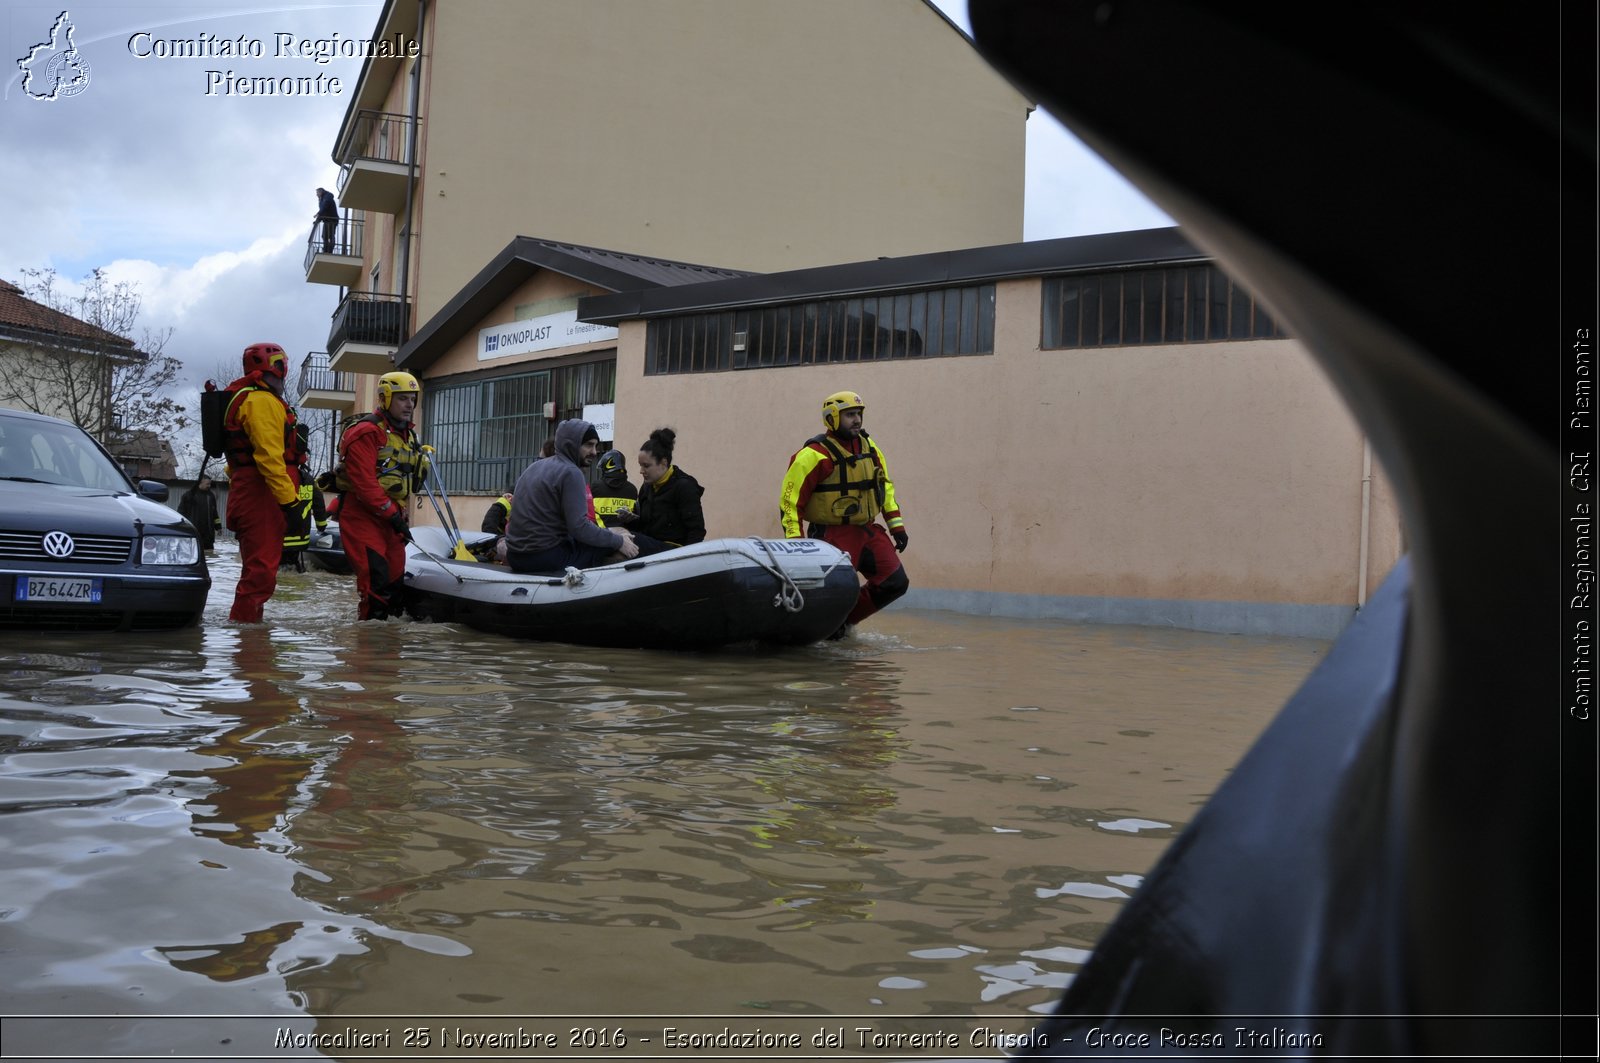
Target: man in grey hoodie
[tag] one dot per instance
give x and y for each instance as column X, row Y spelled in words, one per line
column 551, row 527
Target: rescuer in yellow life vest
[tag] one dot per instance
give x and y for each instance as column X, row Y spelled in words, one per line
column 382, row 463
column 263, row 452
column 839, row 485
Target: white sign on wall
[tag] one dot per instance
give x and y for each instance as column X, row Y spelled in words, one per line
column 540, row 334
column 603, row 415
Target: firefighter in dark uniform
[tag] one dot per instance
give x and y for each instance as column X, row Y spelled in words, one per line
column 308, row 508
column 614, row 492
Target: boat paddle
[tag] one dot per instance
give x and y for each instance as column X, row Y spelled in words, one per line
column 444, row 492
column 461, row 553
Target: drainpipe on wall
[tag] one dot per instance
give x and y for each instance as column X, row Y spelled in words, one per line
column 1366, row 520
column 411, row 176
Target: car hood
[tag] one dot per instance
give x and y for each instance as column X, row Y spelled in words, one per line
column 80, row 510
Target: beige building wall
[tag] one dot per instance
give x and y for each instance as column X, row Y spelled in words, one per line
column 751, row 134
column 1219, row 472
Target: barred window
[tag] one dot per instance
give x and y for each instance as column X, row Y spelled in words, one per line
column 1180, row 304
column 485, row 432
column 926, row 324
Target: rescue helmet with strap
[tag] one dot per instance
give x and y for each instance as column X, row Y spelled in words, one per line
column 837, row 403
column 398, row 382
column 266, row 358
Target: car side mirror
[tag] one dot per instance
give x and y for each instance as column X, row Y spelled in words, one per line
column 154, row 490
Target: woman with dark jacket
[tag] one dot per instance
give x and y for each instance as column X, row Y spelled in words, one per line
column 669, row 501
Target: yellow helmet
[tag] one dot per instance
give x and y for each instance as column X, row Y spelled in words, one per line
column 837, row 403
column 396, row 383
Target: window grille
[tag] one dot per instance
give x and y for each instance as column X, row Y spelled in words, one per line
column 1179, row 304
column 926, row 324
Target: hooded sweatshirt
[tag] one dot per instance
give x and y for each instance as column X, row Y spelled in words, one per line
column 550, row 503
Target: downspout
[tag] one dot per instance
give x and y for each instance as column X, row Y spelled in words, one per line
column 411, row 175
column 1366, row 520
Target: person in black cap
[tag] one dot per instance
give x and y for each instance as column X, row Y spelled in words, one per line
column 552, row 526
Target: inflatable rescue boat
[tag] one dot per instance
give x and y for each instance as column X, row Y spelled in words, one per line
column 710, row 594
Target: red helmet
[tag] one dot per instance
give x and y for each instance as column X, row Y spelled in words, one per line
column 267, row 358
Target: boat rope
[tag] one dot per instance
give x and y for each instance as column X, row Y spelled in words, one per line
column 436, row 561
column 789, row 595
column 573, row 577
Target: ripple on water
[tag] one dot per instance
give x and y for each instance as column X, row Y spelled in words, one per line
column 311, row 815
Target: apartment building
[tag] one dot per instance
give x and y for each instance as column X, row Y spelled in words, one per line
column 753, row 134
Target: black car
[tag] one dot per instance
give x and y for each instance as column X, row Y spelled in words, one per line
column 81, row 547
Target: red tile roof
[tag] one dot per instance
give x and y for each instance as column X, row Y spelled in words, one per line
column 18, row 311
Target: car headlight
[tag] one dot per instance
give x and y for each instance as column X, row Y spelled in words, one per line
column 170, row 550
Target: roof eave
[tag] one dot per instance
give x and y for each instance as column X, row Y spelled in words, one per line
column 1126, row 250
column 517, row 261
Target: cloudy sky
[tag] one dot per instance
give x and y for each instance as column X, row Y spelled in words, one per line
column 205, row 199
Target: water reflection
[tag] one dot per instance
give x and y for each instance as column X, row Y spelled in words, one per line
column 318, row 818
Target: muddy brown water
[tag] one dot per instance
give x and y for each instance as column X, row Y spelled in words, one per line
column 389, row 828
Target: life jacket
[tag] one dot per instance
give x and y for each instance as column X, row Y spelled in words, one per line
column 238, row 449
column 401, row 463
column 852, row 493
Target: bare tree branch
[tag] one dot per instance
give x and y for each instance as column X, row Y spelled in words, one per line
column 104, row 386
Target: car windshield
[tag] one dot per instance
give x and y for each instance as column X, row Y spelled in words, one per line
column 55, row 453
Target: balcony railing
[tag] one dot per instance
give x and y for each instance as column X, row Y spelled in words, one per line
column 315, row 375
column 370, row 318
column 376, row 136
column 375, row 168
column 344, row 241
column 333, row 252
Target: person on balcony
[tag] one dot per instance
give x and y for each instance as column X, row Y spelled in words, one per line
column 328, row 215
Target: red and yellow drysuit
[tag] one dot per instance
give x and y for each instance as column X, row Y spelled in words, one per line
column 839, row 487
column 263, row 455
column 381, row 463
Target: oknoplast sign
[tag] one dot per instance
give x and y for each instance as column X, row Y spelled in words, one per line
column 535, row 334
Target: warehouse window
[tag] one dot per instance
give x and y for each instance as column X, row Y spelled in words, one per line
column 485, row 432
column 1181, row 304
column 926, row 324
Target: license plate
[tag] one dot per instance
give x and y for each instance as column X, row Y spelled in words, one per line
column 52, row 589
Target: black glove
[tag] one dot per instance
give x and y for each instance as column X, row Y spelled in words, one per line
column 291, row 515
column 397, row 521
column 900, row 539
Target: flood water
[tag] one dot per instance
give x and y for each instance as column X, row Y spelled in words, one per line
column 320, row 823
